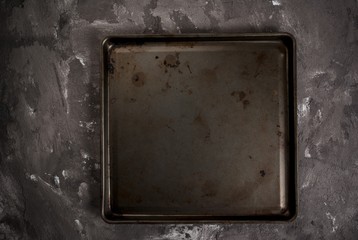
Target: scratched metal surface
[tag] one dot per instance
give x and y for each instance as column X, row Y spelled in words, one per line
column 199, row 128
column 49, row 109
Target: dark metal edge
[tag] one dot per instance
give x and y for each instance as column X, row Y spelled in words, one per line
column 289, row 213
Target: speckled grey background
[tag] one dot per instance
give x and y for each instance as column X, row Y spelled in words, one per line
column 49, row 110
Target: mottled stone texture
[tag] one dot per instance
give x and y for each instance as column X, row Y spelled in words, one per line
column 49, row 110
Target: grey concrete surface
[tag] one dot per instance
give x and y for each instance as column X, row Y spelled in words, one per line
column 49, row 110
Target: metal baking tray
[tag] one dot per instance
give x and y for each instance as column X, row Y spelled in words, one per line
column 199, row 128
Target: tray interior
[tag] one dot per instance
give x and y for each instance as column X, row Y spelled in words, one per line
column 198, row 128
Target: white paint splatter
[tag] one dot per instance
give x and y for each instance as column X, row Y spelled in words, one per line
column 319, row 115
column 304, row 108
column 194, row 11
column 84, row 154
column 54, row 31
column 79, row 226
column 276, row 3
column 63, row 68
column 56, row 179
column 97, row 166
column 81, row 58
column 120, row 11
column 333, row 219
column 207, row 232
column 337, row 62
column 30, row 78
column 317, row 73
column 347, row 98
column 55, row 190
column 84, row 98
column 310, row 177
column 101, row 23
column 32, row 177
column 31, row 111
column 82, row 190
column 129, row 13
column 88, row 125
column 307, row 152
column 65, row 174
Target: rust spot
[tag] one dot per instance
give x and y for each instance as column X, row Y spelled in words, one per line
column 169, row 127
column 189, row 68
column 113, row 100
column 156, row 57
column 130, row 197
column 238, row 195
column 190, row 92
column 202, row 124
column 278, row 125
column 138, row 79
column 171, row 61
column 245, row 73
column 261, row 57
column 209, row 189
column 208, row 135
column 167, row 86
column 179, row 71
column 156, row 189
column 209, row 75
column 110, row 68
column 262, row 173
column 240, row 95
column 246, row 103
column 250, row 156
column 132, row 100
column 279, row 133
column 199, row 120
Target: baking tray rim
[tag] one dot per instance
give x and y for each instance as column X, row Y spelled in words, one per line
column 289, row 42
